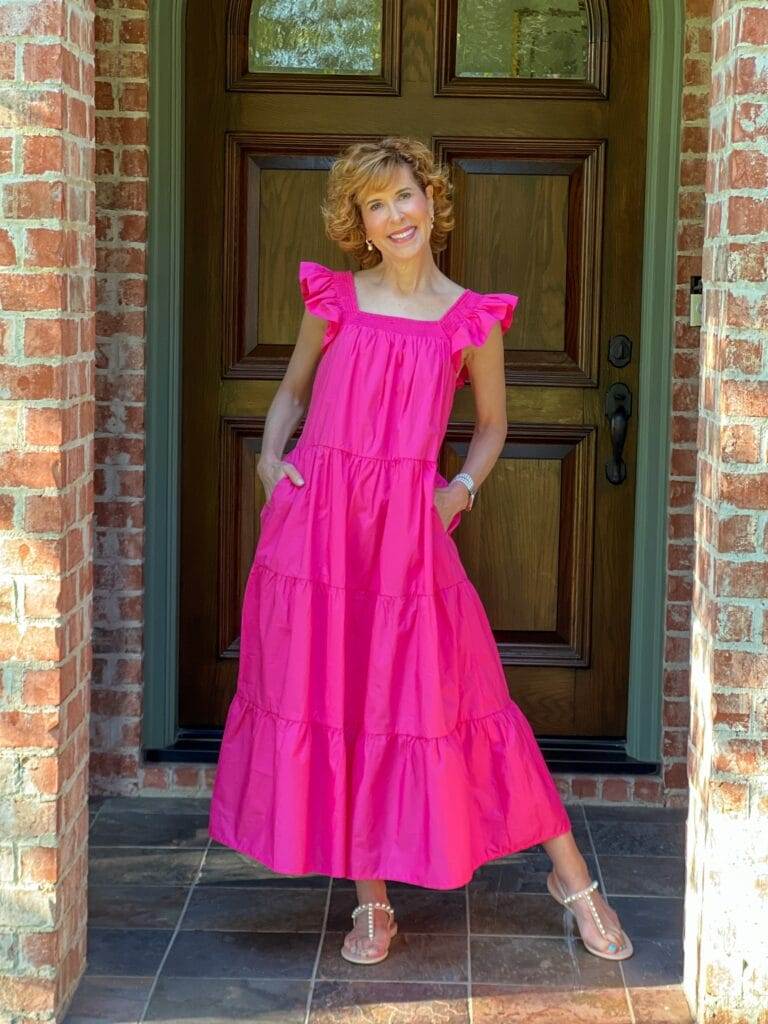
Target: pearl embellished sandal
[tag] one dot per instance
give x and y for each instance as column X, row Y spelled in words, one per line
column 357, row 958
column 625, row 949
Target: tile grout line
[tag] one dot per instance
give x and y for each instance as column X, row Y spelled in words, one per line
column 147, row 846
column 321, row 940
column 470, row 1005
column 254, row 887
column 176, row 930
column 300, row 979
column 313, row 931
column 520, row 936
column 303, row 979
column 96, row 814
column 627, row 998
column 156, row 805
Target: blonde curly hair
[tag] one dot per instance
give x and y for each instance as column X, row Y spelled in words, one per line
column 363, row 166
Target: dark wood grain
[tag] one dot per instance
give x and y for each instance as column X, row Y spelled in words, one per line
column 549, row 195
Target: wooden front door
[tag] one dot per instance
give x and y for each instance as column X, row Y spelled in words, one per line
column 540, row 109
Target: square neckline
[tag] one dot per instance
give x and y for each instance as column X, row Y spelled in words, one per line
column 350, row 279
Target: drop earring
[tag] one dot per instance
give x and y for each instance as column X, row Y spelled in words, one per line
column 369, row 244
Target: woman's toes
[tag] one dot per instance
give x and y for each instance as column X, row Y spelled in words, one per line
column 360, row 945
column 614, row 939
column 610, row 942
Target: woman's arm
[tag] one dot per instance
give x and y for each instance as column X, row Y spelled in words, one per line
column 486, row 370
column 290, row 402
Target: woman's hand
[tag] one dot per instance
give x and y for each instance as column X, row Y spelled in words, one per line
column 450, row 500
column 274, row 470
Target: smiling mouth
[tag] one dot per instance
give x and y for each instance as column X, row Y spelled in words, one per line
column 405, row 233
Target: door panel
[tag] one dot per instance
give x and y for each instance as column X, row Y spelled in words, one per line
column 545, row 135
column 530, row 211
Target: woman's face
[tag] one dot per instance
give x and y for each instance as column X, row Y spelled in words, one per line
column 397, row 218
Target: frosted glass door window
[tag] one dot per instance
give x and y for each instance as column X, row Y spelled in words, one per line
column 315, row 37
column 522, row 39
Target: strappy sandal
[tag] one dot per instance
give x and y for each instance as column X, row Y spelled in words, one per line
column 356, row 958
column 562, row 897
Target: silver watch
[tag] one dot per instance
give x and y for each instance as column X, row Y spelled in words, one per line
column 469, row 483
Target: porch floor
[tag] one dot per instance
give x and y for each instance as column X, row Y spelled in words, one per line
column 182, row 929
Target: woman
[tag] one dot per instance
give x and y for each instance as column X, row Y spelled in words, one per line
column 372, row 735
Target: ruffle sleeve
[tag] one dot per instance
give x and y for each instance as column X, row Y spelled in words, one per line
column 475, row 326
column 320, row 291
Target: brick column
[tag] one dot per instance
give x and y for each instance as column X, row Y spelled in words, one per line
column 685, row 390
column 726, row 954
column 122, row 170
column 46, row 496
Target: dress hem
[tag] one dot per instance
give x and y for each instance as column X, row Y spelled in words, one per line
column 263, row 815
column 387, row 875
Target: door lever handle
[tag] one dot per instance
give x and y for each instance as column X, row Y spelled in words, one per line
column 618, row 409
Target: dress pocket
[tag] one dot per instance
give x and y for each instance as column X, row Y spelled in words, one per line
column 438, row 520
column 440, row 481
column 268, row 504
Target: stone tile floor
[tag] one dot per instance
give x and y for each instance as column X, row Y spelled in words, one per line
column 182, row 930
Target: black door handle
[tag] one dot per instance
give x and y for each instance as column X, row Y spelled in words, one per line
column 618, row 409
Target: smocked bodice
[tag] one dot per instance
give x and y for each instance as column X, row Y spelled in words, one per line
column 384, row 385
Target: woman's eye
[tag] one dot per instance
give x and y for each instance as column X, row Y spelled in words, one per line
column 403, row 195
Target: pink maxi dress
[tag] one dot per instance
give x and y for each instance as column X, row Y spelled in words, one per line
column 372, row 734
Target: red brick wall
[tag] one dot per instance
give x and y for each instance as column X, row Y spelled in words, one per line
column 726, row 969
column 685, row 396
column 122, row 71
column 46, row 495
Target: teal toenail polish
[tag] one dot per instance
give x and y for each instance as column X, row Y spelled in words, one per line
column 612, row 948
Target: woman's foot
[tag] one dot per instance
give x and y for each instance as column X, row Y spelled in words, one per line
column 357, row 941
column 614, row 941
column 570, row 870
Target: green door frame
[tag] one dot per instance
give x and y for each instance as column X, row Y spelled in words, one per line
column 166, row 249
column 163, row 413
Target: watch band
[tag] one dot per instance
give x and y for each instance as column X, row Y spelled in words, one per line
column 469, row 483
